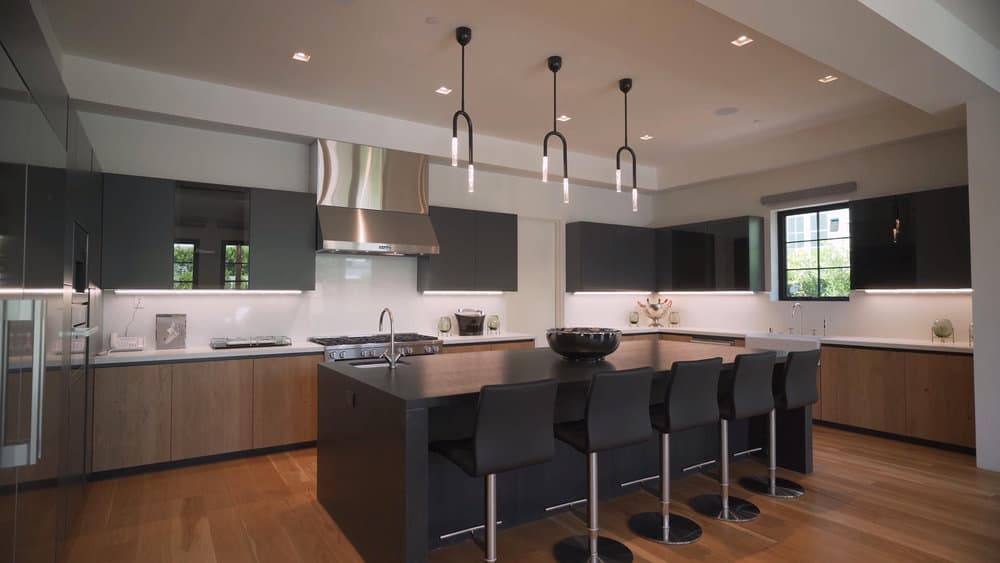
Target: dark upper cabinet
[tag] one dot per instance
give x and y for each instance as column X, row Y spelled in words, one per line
column 602, row 257
column 45, row 228
column 282, row 240
column 211, row 246
column 138, row 232
column 930, row 250
column 478, row 252
column 726, row 254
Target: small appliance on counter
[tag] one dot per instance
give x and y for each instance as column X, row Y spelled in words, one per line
column 943, row 330
column 221, row 343
column 126, row 343
column 374, row 345
column 171, row 331
column 470, row 322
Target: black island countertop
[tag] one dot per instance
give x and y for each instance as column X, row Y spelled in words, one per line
column 437, row 379
column 395, row 500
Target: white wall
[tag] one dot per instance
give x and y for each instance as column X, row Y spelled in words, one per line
column 984, row 204
column 146, row 148
column 892, row 316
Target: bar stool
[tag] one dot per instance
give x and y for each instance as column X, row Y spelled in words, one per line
column 794, row 387
column 513, row 430
column 691, row 400
column 617, row 415
column 743, row 392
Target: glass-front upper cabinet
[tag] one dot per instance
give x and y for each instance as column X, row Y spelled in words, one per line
column 211, row 246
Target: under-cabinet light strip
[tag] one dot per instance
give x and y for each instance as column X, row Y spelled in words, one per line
column 441, row 292
column 208, row 291
column 30, row 291
column 706, row 292
column 965, row 291
column 612, row 293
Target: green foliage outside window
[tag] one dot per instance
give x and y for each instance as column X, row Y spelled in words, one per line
column 184, row 265
column 817, row 254
column 237, row 266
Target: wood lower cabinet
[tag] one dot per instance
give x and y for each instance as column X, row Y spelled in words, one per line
column 865, row 388
column 940, row 404
column 675, row 337
column 131, row 416
column 211, row 408
column 632, row 337
column 818, row 406
column 488, row 347
column 284, row 400
column 917, row 394
column 720, row 340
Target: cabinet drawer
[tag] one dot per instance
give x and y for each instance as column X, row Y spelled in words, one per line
column 131, row 416
column 211, row 408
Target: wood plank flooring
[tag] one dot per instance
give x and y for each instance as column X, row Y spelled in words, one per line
column 870, row 499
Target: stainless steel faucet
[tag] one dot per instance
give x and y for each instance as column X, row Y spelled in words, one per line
column 797, row 312
column 391, row 356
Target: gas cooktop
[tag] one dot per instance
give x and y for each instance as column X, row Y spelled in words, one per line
column 373, row 345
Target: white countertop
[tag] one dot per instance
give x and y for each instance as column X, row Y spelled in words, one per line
column 204, row 353
column 485, row 338
column 900, row 343
column 723, row 333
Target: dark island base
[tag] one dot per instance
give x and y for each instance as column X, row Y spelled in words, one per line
column 394, row 500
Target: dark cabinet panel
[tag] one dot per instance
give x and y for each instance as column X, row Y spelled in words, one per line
column 727, row 254
column 138, row 232
column 602, row 257
column 941, row 238
column 45, row 228
column 282, row 240
column 478, row 252
column 931, row 249
column 496, row 251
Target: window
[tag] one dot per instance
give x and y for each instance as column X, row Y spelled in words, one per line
column 236, row 273
column 185, row 266
column 814, row 253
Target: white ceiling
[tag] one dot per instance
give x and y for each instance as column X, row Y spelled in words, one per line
column 382, row 56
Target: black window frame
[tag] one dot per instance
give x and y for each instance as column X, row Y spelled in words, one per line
column 194, row 263
column 782, row 246
column 246, row 262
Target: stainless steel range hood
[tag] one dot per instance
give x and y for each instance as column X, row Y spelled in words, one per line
column 371, row 200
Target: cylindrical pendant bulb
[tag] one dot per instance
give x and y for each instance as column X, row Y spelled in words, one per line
column 454, row 151
column 635, row 200
column 618, row 180
column 545, row 168
column 565, row 190
column 472, row 178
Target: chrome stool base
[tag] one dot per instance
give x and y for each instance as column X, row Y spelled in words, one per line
column 649, row 525
column 783, row 488
column 576, row 549
column 740, row 510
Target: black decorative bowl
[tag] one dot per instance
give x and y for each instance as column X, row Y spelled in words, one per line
column 584, row 344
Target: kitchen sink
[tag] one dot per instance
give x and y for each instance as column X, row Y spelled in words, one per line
column 782, row 342
column 365, row 364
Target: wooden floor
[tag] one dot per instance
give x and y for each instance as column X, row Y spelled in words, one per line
column 869, row 499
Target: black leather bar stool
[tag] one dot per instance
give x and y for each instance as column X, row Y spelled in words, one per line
column 617, row 415
column 692, row 399
column 743, row 392
column 513, row 430
column 794, row 387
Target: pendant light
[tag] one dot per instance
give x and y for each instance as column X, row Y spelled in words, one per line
column 625, row 84
column 555, row 63
column 463, row 35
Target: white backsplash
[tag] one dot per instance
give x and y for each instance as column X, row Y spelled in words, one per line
column 350, row 293
column 888, row 316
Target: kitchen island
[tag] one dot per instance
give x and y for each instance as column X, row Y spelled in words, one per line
column 395, row 500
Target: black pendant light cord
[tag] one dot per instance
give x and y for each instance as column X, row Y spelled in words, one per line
column 463, row 35
column 555, row 63
column 625, row 84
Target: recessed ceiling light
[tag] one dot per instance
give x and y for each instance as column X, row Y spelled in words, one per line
column 444, row 90
column 742, row 40
column 301, row 57
column 432, row 20
column 564, row 118
column 646, row 137
column 828, row 79
column 728, row 110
